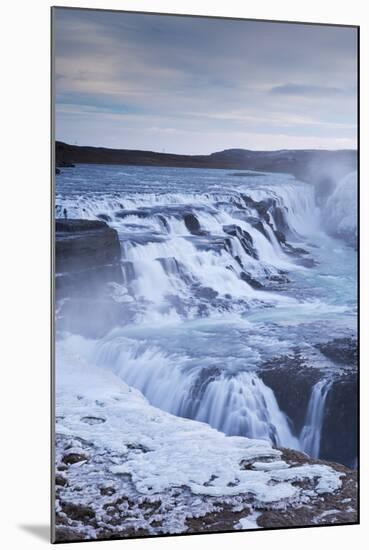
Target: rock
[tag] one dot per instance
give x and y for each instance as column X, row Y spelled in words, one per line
column 279, row 217
column 343, row 351
column 339, row 441
column 291, row 381
column 82, row 244
column 104, row 217
column 57, row 171
column 60, row 480
column 91, row 420
column 87, row 255
column 250, row 280
column 67, row 534
column 307, row 262
column 77, row 512
column 74, row 457
column 205, row 292
column 100, row 504
column 257, row 224
column 107, row 491
column 335, row 508
column 139, row 213
column 192, row 224
column 244, row 237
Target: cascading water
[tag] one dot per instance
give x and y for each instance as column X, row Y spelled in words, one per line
column 340, row 209
column 214, row 283
column 311, row 432
column 238, row 404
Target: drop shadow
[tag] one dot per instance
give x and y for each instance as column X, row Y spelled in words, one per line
column 42, row 532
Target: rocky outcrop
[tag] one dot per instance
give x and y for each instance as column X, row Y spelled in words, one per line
column 88, row 265
column 116, row 512
column 87, row 254
column 343, row 351
column 291, row 381
column 340, row 429
column 244, row 238
column 334, row 508
column 192, row 224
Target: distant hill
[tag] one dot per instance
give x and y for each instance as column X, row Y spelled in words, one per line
column 306, row 164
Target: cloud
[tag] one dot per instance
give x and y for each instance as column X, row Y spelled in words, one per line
column 308, row 90
column 201, row 77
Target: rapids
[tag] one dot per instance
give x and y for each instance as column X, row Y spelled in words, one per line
column 222, row 274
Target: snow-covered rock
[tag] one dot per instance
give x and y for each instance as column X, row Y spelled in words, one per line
column 140, row 471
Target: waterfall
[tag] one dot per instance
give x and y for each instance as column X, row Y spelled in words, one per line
column 199, row 250
column 311, row 432
column 236, row 404
column 339, row 212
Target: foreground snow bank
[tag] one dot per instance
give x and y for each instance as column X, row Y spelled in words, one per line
column 125, row 468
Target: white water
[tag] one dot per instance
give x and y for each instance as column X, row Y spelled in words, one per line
column 340, row 210
column 311, row 433
column 199, row 329
column 236, row 405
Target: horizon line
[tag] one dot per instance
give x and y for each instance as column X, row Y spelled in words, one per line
column 203, row 154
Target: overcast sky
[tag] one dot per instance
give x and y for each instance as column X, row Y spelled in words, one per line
column 195, row 85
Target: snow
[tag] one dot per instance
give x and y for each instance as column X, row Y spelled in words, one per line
column 159, row 452
column 249, row 522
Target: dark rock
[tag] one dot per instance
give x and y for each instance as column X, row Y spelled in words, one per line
column 339, row 441
column 279, row 217
column 104, row 217
column 258, row 224
column 343, row 351
column 164, row 222
column 192, row 224
column 91, row 420
column 291, row 381
column 244, row 237
column 57, row 171
column 206, row 292
column 107, row 491
column 60, row 480
column 73, row 458
column 278, row 278
column 335, row 508
column 251, row 281
column 68, row 534
column 87, row 255
column 77, row 512
column 139, row 213
column 261, row 207
column 307, row 262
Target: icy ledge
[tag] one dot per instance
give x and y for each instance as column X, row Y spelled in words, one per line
column 125, row 468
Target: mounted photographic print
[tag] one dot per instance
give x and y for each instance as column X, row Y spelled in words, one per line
column 205, row 320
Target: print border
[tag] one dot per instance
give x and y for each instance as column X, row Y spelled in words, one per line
column 53, row 10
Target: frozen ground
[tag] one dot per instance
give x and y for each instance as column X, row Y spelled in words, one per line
column 125, row 468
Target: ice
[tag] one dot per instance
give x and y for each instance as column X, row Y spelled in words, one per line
column 160, row 451
column 249, row 522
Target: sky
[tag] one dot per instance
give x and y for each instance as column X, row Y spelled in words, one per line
column 198, row 85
